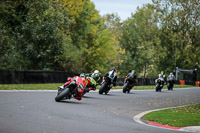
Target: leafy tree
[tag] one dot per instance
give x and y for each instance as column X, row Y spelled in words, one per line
column 92, row 43
column 36, row 37
column 114, row 25
column 161, row 36
column 8, row 52
column 140, row 37
column 179, row 22
column 70, row 35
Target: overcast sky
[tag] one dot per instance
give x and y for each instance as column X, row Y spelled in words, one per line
column 123, row 8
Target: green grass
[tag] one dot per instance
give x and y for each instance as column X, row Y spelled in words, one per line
column 55, row 86
column 176, row 117
column 29, row 86
column 151, row 87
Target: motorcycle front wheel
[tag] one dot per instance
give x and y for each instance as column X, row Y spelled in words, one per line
column 102, row 88
column 125, row 88
column 62, row 94
column 168, row 86
column 171, row 88
column 157, row 87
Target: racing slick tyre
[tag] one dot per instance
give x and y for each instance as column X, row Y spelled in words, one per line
column 102, row 88
column 125, row 88
column 157, row 87
column 62, row 94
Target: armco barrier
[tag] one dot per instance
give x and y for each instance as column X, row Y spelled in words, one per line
column 140, row 81
column 189, row 82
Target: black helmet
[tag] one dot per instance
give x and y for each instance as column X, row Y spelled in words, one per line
column 114, row 69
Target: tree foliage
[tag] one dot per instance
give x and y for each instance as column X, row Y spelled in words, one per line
column 35, row 34
column 54, row 35
column 140, row 38
column 162, row 36
column 71, row 35
column 179, row 24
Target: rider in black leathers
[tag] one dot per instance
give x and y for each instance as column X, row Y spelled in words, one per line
column 132, row 76
column 170, row 81
column 114, row 74
column 129, row 81
column 96, row 76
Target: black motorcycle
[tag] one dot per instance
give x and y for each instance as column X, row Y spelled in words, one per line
column 107, row 83
column 128, row 84
column 170, row 84
column 159, row 84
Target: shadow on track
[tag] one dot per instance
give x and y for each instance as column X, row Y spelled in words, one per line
column 71, row 102
column 130, row 93
column 164, row 91
column 109, row 94
column 89, row 97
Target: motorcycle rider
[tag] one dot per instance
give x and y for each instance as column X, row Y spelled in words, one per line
column 162, row 77
column 113, row 74
column 129, row 81
column 97, row 76
column 89, row 80
column 171, row 78
column 131, row 75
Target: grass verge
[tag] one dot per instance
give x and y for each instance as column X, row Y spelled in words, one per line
column 55, row 86
column 177, row 117
column 29, row 86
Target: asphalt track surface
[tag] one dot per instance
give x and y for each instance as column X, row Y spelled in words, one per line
column 37, row 112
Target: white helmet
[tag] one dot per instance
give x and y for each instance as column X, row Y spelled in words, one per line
column 96, row 71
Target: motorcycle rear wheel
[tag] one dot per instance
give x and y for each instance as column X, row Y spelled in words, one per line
column 63, row 94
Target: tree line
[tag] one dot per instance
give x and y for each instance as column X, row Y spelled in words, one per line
column 71, row 35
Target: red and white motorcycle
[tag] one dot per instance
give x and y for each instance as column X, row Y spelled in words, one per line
column 74, row 87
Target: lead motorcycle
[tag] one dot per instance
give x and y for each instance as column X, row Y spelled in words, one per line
column 74, row 87
column 107, row 83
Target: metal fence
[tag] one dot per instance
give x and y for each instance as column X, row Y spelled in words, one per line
column 140, row 81
column 27, row 77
